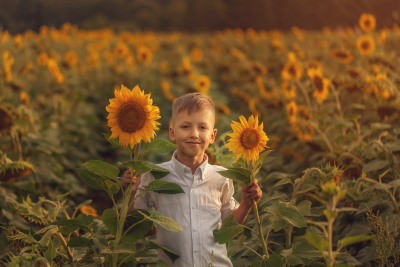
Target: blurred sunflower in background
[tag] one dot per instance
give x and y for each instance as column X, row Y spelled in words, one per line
column 342, row 55
column 291, row 109
column 144, row 55
column 367, row 22
column 203, row 84
column 365, row 45
column 132, row 117
column 292, row 69
column 321, row 84
column 88, row 210
column 248, row 138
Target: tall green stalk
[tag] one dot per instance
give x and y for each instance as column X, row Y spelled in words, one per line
column 125, row 208
column 259, row 226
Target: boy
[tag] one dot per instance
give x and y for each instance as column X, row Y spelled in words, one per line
column 208, row 197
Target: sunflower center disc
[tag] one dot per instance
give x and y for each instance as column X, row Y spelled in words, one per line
column 131, row 117
column 250, row 138
column 292, row 70
column 318, row 83
column 365, row 45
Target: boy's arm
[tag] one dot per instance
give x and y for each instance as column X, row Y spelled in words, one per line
column 248, row 193
column 136, row 182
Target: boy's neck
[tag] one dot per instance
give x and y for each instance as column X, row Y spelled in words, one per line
column 191, row 162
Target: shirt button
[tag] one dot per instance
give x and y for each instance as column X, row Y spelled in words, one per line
column 194, row 230
column 193, row 207
column 196, row 250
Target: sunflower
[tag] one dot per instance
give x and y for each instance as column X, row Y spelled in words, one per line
column 289, row 93
column 132, row 116
column 353, row 72
column 196, row 54
column 88, row 210
column 42, row 59
column 121, row 50
column 382, row 36
column 248, row 138
column 292, row 70
column 291, row 109
column 321, row 84
column 24, row 98
column 71, row 58
column 203, row 83
column 367, row 22
column 342, row 56
column 365, row 45
column 144, row 55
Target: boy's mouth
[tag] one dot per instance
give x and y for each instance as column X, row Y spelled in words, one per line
column 193, row 143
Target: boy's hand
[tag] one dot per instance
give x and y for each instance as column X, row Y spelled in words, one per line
column 251, row 192
column 135, row 180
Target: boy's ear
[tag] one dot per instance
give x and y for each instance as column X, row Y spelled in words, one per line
column 213, row 134
column 172, row 134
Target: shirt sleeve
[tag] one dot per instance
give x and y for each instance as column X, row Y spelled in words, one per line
column 229, row 204
column 144, row 202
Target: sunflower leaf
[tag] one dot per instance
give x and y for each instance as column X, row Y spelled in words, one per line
column 98, row 182
column 102, row 168
column 138, row 166
column 164, row 187
column 240, row 175
column 158, row 145
column 156, row 171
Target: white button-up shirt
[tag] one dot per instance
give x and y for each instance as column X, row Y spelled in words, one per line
column 207, row 201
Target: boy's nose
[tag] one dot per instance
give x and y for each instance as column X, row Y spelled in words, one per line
column 194, row 133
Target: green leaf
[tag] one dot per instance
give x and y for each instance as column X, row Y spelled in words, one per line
column 171, row 254
column 262, row 157
column 302, row 251
column 343, row 265
column 102, row 168
column 51, row 252
column 110, row 219
column 382, row 187
column 164, row 187
column 82, row 221
column 306, row 188
column 277, row 222
column 317, row 241
column 375, row 165
column 98, row 182
column 137, row 166
column 236, row 176
column 156, row 171
column 283, row 181
column 79, row 241
column 67, row 230
column 46, row 238
column 291, row 214
column 161, row 263
column 140, row 229
column 159, row 145
column 278, row 175
column 163, row 221
column 272, row 261
column 304, row 207
column 229, row 229
column 354, row 239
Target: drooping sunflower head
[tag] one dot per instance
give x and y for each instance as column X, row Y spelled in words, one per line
column 365, row 45
column 132, row 117
column 248, row 138
column 367, row 22
column 342, row 55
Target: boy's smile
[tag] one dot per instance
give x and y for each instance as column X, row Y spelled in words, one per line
column 193, row 133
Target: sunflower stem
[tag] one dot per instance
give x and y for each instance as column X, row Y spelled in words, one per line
column 125, row 208
column 260, row 232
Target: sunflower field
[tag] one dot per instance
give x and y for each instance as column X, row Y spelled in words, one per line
column 328, row 101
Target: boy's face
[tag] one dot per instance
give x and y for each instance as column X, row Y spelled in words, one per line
column 193, row 133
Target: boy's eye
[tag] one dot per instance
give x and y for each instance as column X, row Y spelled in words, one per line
column 185, row 126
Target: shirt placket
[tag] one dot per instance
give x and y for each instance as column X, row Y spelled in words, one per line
column 194, row 218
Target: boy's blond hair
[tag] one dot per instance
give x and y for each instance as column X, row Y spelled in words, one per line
column 192, row 102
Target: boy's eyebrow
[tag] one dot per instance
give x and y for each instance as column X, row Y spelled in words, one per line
column 191, row 122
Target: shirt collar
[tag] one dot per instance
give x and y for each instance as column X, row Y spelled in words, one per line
column 180, row 167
